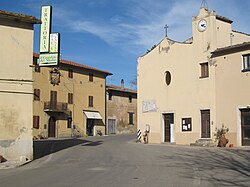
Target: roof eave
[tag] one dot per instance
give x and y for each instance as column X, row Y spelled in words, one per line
column 19, row 17
column 231, row 49
column 221, row 18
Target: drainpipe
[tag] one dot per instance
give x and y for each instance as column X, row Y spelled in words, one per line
column 231, row 38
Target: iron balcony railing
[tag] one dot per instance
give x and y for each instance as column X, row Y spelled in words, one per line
column 55, row 106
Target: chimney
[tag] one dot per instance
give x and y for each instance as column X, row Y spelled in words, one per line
column 122, row 84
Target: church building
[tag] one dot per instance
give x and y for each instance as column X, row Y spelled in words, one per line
column 197, row 86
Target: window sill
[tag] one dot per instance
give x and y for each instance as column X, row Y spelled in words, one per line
column 204, row 77
column 245, row 70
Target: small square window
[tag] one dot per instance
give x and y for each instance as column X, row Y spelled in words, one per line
column 246, row 62
column 204, row 70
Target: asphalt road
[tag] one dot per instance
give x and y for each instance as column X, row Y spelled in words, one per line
column 118, row 161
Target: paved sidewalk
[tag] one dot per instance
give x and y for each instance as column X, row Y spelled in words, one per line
column 13, row 164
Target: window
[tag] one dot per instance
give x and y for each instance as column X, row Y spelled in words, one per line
column 130, row 118
column 246, row 62
column 168, row 77
column 91, row 101
column 245, row 127
column 70, row 73
column 91, row 77
column 36, row 94
column 70, row 98
column 36, row 122
column 110, row 96
column 130, row 99
column 204, row 70
column 37, row 68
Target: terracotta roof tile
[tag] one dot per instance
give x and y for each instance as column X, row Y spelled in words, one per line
column 120, row 89
column 21, row 17
column 222, row 18
column 233, row 48
column 78, row 65
column 83, row 66
column 241, row 32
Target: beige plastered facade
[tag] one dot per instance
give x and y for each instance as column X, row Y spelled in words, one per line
column 16, row 86
column 81, row 88
column 188, row 93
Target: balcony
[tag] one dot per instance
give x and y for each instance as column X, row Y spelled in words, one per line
column 51, row 106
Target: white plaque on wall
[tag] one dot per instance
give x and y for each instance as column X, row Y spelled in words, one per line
column 149, row 106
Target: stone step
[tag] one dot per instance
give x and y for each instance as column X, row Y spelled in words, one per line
column 204, row 143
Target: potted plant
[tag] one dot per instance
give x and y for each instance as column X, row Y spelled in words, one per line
column 220, row 136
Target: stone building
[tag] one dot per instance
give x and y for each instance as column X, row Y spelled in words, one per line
column 73, row 107
column 196, row 86
column 16, row 85
column 121, row 110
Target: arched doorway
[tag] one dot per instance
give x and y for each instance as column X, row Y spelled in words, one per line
column 52, row 127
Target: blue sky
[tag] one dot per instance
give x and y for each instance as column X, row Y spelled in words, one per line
column 112, row 34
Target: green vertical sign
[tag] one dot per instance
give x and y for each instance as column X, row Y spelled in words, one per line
column 45, row 28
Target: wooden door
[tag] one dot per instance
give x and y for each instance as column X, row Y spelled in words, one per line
column 168, row 119
column 52, row 127
column 205, row 124
column 245, row 127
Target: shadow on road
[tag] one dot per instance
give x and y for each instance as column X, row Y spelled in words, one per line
column 42, row 148
column 222, row 167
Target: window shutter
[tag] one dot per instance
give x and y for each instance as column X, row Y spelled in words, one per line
column 36, row 122
column 70, row 98
column 91, row 101
column 91, row 77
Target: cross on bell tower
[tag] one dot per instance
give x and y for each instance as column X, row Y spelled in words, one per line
column 166, row 29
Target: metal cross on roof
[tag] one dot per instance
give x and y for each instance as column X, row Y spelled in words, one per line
column 166, row 28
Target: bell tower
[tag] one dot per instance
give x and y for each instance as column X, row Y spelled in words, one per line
column 204, row 31
column 210, row 31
